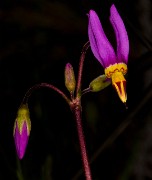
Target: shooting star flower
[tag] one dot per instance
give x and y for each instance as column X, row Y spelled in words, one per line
column 114, row 63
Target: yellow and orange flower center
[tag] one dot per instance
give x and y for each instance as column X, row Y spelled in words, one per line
column 116, row 72
column 117, row 67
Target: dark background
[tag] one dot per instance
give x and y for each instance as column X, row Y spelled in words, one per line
column 37, row 39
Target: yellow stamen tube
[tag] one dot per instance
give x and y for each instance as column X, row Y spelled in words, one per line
column 119, row 83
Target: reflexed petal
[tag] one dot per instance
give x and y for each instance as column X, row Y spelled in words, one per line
column 121, row 35
column 21, row 140
column 99, row 43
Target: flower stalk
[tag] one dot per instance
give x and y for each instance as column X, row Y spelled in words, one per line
column 44, row 85
column 86, row 166
column 81, row 63
column 77, row 110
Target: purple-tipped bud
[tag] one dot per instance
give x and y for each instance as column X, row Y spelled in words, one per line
column 22, row 127
column 70, row 82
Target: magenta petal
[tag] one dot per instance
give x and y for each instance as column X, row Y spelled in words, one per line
column 21, row 140
column 99, row 43
column 121, row 35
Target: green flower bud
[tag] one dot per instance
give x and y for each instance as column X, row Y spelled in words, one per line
column 70, row 82
column 99, row 83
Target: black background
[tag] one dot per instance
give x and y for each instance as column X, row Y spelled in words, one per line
column 37, row 39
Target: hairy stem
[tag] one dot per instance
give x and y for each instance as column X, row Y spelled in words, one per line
column 82, row 57
column 77, row 113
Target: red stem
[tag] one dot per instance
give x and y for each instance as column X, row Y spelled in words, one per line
column 82, row 57
column 37, row 86
column 77, row 112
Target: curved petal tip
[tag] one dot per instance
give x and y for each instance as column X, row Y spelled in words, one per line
column 121, row 35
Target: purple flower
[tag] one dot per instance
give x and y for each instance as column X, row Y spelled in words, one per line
column 114, row 63
column 22, row 129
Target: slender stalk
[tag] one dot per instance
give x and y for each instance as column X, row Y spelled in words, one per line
column 82, row 57
column 77, row 113
column 19, row 171
column 76, row 107
column 37, row 86
column 87, row 90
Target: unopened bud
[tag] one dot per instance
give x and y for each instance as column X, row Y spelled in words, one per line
column 70, row 82
column 99, row 83
column 22, row 127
